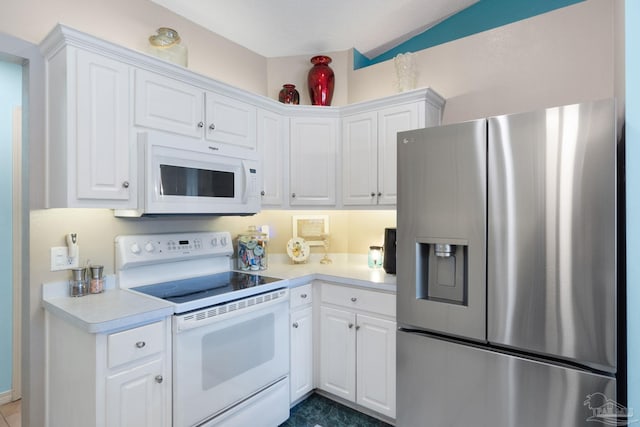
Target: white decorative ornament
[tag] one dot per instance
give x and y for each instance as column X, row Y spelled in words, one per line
column 405, row 71
column 298, row 250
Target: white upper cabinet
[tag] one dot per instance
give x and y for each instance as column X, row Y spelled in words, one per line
column 90, row 160
column 369, row 143
column 272, row 143
column 391, row 121
column 230, row 121
column 313, row 157
column 99, row 96
column 360, row 159
column 168, row 104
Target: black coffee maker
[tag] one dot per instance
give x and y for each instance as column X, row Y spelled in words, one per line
column 389, row 262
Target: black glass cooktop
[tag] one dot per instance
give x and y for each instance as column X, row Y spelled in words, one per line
column 186, row 290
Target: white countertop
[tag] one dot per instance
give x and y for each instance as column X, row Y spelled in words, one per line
column 111, row 310
column 119, row 309
column 344, row 269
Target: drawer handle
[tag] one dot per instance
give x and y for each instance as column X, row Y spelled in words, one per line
column 159, row 379
column 295, row 324
column 140, row 344
column 354, row 299
column 303, row 295
column 350, row 325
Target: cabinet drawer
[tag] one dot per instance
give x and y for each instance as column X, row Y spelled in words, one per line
column 361, row 299
column 300, row 296
column 127, row 346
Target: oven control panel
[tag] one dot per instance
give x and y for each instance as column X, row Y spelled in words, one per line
column 147, row 249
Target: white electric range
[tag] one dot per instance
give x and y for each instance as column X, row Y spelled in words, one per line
column 230, row 328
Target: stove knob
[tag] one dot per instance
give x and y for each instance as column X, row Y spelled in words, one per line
column 135, row 248
column 149, row 247
column 223, row 241
column 214, row 242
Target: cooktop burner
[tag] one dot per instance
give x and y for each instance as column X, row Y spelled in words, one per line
column 192, row 289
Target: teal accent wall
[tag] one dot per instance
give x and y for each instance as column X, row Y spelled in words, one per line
column 632, row 119
column 10, row 97
column 481, row 16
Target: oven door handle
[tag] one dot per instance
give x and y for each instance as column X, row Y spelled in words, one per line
column 222, row 312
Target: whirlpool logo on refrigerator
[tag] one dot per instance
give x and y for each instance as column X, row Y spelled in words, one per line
column 608, row 411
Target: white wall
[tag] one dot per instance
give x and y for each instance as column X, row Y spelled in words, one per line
column 130, row 23
column 561, row 57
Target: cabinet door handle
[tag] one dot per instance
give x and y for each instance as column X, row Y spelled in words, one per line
column 141, row 344
column 357, row 327
column 212, row 127
column 354, row 299
column 125, row 184
column 295, row 324
column 159, row 379
column 303, row 296
column 373, row 194
column 350, row 325
column 262, row 193
column 293, row 195
column 200, row 125
column 379, row 194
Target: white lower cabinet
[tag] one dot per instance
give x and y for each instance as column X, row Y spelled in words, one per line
column 357, row 346
column 134, row 397
column 120, row 379
column 301, row 369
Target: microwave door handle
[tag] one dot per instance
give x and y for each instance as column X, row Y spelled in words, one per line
column 245, row 193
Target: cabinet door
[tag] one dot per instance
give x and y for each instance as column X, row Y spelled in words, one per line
column 136, row 397
column 391, row 121
column 230, row 121
column 376, row 364
column 301, row 375
column 360, row 159
column 168, row 104
column 104, row 166
column 313, row 146
column 272, row 144
column 338, row 352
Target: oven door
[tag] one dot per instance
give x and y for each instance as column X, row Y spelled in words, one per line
column 240, row 350
column 191, row 178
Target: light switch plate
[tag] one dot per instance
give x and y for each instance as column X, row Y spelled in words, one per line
column 60, row 259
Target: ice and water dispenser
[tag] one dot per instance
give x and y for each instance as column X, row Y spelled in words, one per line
column 442, row 270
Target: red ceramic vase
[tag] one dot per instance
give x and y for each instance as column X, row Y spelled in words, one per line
column 289, row 95
column 320, row 80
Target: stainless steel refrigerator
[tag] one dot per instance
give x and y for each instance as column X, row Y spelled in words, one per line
column 506, row 270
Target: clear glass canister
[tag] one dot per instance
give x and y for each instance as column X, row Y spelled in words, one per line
column 78, row 284
column 96, row 285
column 252, row 249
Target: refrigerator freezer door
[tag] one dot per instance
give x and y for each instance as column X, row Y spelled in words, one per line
column 552, row 233
column 446, row 384
column 441, row 234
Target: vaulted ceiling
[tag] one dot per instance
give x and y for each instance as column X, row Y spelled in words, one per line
column 275, row 28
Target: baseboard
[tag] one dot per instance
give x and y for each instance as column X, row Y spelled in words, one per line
column 5, row 397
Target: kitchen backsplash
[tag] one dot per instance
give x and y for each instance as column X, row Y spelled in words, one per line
column 350, row 232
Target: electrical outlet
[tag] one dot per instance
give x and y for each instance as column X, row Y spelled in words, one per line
column 60, row 259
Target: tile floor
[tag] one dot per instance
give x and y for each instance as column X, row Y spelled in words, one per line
column 315, row 411
column 318, row 411
column 10, row 415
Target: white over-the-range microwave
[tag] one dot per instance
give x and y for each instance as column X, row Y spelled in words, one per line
column 181, row 175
